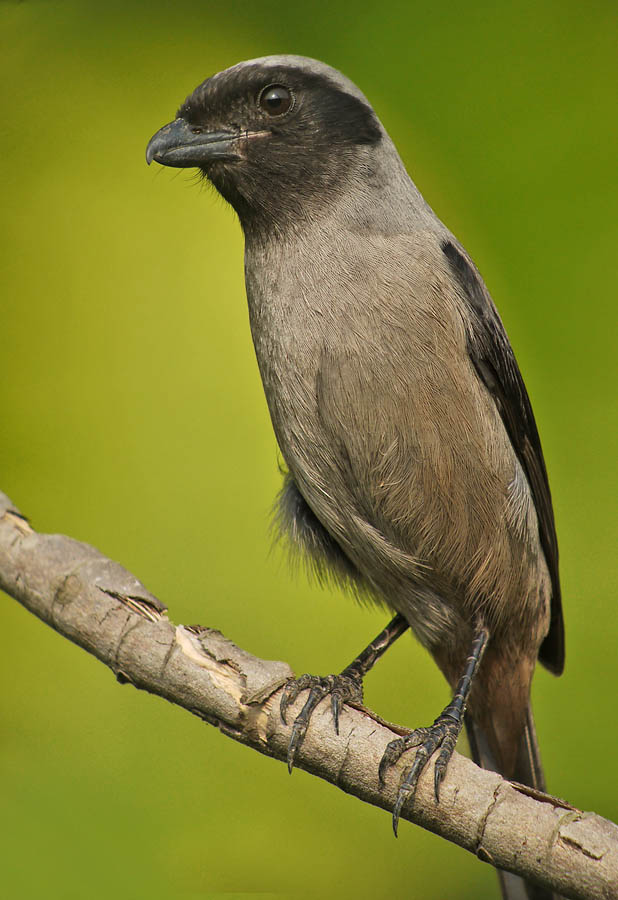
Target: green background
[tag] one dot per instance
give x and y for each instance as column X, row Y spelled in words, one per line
column 132, row 417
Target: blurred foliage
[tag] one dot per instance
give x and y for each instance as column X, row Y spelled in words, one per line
column 133, row 418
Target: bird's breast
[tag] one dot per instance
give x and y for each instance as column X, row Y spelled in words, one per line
column 386, row 428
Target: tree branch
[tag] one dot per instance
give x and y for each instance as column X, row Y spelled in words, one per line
column 97, row 604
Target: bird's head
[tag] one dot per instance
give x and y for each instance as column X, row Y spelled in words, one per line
column 279, row 137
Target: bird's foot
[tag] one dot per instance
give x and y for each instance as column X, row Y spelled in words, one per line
column 344, row 688
column 442, row 734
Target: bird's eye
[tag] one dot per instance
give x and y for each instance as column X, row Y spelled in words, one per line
column 275, row 100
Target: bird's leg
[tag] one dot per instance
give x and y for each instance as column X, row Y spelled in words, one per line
column 443, row 734
column 347, row 686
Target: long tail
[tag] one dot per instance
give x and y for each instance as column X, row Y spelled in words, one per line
column 528, row 770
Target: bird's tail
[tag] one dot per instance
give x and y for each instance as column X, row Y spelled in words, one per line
column 527, row 770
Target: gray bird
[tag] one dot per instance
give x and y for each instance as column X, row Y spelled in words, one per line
column 415, row 471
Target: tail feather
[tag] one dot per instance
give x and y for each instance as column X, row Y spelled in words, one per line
column 528, row 767
column 528, row 770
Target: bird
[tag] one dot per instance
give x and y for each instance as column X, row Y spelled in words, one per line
column 414, row 473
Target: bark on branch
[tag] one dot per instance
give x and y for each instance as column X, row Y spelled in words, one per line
column 99, row 605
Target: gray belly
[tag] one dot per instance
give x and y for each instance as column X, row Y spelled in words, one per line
column 402, row 458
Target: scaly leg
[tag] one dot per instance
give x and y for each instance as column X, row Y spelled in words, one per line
column 443, row 734
column 348, row 686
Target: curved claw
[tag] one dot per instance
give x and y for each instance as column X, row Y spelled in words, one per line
column 441, row 763
column 301, row 722
column 342, row 688
column 296, row 739
column 395, row 750
column 442, row 734
column 335, row 705
column 288, row 696
column 402, row 796
column 438, row 775
column 408, row 785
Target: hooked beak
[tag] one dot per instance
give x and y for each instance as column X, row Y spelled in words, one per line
column 183, row 145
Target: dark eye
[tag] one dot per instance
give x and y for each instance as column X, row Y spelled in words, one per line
column 275, row 100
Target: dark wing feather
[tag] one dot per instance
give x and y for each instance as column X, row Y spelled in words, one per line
column 493, row 358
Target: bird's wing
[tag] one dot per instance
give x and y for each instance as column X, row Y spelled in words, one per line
column 495, row 363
